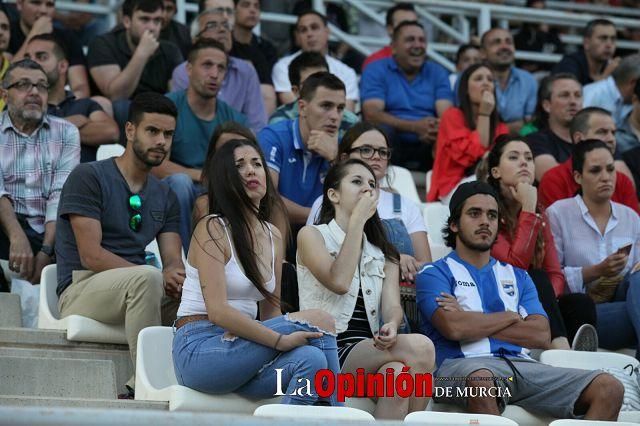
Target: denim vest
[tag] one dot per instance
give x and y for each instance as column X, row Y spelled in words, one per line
column 370, row 275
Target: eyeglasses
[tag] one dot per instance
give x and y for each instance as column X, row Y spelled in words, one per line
column 135, row 220
column 367, row 152
column 214, row 26
column 26, row 86
column 221, row 10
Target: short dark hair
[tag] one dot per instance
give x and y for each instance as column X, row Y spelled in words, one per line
column 58, row 49
column 484, row 36
column 205, row 43
column 152, row 103
column 27, row 64
column 463, row 48
column 580, row 151
column 311, row 12
column 580, row 122
column 320, row 79
column 403, row 24
column 398, row 6
column 591, row 26
column 149, row 6
column 235, row 2
column 304, row 61
column 540, row 116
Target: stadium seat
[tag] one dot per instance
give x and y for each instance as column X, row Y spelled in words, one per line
column 438, row 251
column 513, row 412
column 440, row 418
column 79, row 328
column 156, row 379
column 572, row 422
column 311, row 412
column 109, row 150
column 435, row 217
column 402, row 182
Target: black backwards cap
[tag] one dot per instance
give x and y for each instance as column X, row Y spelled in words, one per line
column 469, row 189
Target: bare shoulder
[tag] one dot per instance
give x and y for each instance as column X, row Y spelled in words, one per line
column 210, row 237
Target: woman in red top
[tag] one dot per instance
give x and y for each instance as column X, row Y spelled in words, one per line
column 525, row 238
column 466, row 133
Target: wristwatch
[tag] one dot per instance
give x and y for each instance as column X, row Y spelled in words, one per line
column 48, row 250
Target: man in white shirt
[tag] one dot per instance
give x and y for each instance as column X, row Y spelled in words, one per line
column 614, row 93
column 312, row 34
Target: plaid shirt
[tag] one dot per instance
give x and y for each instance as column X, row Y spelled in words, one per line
column 34, row 167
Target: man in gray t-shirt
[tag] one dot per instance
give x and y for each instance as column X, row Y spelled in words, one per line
column 109, row 212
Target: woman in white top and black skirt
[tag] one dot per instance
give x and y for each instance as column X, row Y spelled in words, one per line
column 347, row 267
column 234, row 267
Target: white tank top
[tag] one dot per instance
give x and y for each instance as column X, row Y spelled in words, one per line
column 241, row 293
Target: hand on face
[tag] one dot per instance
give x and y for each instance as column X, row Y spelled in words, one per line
column 487, row 103
column 42, row 25
column 526, row 194
column 323, row 144
column 366, row 206
column 148, row 44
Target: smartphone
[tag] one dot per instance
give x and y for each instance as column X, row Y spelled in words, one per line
column 625, row 249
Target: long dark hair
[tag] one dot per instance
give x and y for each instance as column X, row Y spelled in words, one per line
column 509, row 221
column 373, row 229
column 465, row 102
column 228, row 199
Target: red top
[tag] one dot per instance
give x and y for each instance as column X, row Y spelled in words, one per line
column 385, row 52
column 457, row 149
column 519, row 251
column 558, row 183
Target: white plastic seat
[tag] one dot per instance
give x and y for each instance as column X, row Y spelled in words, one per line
column 438, row 251
column 573, row 422
column 312, row 412
column 8, row 273
column 435, row 217
column 156, row 379
column 586, row 360
column 441, row 418
column 518, row 414
column 79, row 328
column 402, row 182
column 109, row 150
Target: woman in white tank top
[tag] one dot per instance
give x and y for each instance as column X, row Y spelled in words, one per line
column 347, row 267
column 233, row 269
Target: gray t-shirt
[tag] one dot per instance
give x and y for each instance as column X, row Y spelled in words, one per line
column 99, row 191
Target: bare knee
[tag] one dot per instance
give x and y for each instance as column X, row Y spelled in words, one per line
column 418, row 351
column 317, row 318
column 483, row 402
column 603, row 388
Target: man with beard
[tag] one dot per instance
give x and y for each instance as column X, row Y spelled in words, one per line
column 37, row 153
column 515, row 88
column 405, row 94
column 132, row 59
column 199, row 113
column 110, row 210
column 96, row 127
column 595, row 61
column 483, row 315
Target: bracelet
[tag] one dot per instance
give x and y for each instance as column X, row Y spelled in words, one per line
column 277, row 341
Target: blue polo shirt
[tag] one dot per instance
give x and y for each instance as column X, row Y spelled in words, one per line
column 408, row 100
column 518, row 100
column 496, row 287
column 301, row 171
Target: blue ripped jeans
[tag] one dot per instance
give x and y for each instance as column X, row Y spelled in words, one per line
column 206, row 361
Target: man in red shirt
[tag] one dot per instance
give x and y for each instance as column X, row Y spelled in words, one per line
column 558, row 182
column 396, row 14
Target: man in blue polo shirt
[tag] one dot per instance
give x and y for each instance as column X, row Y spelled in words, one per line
column 482, row 316
column 406, row 94
column 516, row 89
column 298, row 152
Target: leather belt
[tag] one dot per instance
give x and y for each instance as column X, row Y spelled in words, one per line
column 190, row 318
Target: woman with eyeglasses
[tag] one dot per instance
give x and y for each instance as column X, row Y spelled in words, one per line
column 347, row 267
column 401, row 217
column 465, row 133
column 233, row 268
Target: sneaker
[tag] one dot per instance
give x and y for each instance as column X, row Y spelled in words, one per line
column 586, row 339
column 130, row 394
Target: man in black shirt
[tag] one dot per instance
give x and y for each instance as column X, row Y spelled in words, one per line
column 36, row 17
column 259, row 51
column 561, row 99
column 132, row 60
column 173, row 31
column 595, row 61
column 96, row 127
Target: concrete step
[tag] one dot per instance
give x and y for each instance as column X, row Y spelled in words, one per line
column 57, row 377
column 35, row 401
column 121, row 359
column 10, row 311
column 33, row 337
